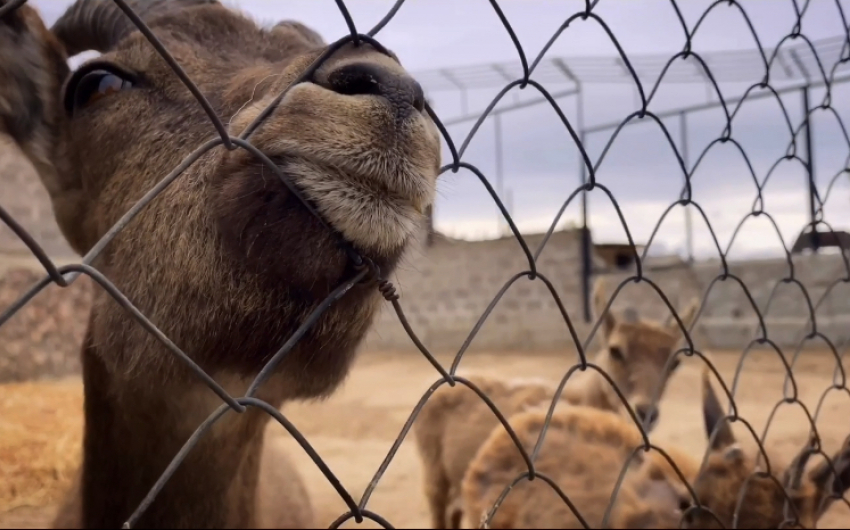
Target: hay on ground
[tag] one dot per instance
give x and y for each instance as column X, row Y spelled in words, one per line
column 40, row 441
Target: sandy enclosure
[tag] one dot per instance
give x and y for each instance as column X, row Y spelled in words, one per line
column 355, row 429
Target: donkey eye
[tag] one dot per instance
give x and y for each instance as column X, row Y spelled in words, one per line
column 97, row 84
column 616, row 353
column 94, row 85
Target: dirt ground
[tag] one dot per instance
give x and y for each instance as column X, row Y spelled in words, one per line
column 355, row 429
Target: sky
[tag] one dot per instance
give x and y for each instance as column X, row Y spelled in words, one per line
column 540, row 163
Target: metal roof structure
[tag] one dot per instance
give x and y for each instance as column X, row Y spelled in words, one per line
column 796, row 64
column 795, row 61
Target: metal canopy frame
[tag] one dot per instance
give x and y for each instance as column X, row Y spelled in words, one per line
column 794, row 66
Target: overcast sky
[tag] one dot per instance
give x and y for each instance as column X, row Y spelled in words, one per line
column 540, row 165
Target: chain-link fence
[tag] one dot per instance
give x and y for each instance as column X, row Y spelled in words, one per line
column 364, row 270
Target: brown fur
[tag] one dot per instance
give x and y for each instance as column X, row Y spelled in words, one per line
column 290, row 506
column 282, row 498
column 454, row 421
column 226, row 261
column 728, row 467
column 583, row 452
column 32, row 68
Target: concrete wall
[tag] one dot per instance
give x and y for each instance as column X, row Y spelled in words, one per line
column 43, row 338
column 445, row 289
column 24, row 197
column 788, row 295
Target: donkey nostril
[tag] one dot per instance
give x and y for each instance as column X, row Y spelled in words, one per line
column 371, row 79
column 418, row 97
column 354, row 80
column 646, row 414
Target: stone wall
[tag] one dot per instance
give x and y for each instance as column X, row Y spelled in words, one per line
column 43, row 338
column 446, row 288
column 24, row 197
column 445, row 292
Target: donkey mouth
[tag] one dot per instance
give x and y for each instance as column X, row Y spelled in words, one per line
column 313, row 177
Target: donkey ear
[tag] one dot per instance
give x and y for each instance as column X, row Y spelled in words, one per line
column 686, row 315
column 793, row 476
column 599, row 302
column 714, row 417
column 829, row 484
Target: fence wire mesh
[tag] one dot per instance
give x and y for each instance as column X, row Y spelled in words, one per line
column 793, row 512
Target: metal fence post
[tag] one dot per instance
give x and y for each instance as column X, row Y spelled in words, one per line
column 810, row 170
column 500, row 219
column 586, row 243
column 683, row 151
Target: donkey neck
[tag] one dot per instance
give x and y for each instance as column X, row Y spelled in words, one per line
column 130, row 437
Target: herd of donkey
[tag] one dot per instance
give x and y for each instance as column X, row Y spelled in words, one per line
column 227, row 263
